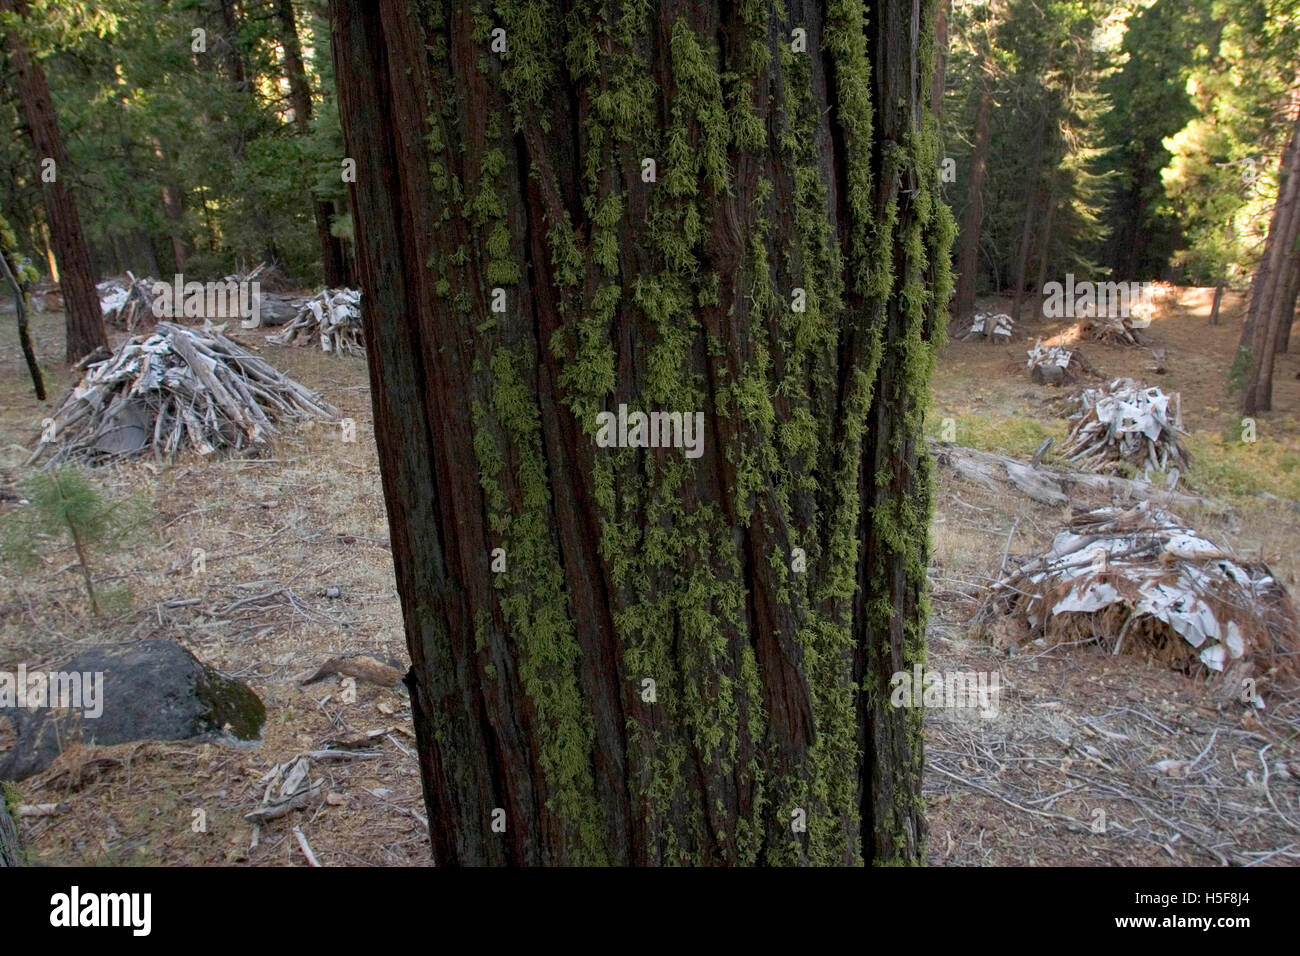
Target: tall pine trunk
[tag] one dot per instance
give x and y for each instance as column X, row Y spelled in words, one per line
column 968, row 250
column 84, row 320
column 1220, row 285
column 673, row 658
column 1287, row 317
column 1027, row 227
column 172, row 206
column 333, row 260
column 940, row 56
column 1045, row 243
column 1269, row 298
column 241, row 77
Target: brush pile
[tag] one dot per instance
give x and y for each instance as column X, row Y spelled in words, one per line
column 332, row 317
column 989, row 325
column 127, row 303
column 1111, row 330
column 1124, row 423
column 1054, row 365
column 1138, row 580
column 175, row 389
column 269, row 278
column 275, row 306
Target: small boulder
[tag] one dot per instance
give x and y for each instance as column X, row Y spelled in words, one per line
column 149, row 690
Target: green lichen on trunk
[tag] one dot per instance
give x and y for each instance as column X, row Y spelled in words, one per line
column 778, row 172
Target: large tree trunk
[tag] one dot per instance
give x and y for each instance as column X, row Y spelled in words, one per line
column 1287, row 317
column 1045, row 244
column 968, row 250
column 241, row 77
column 171, row 197
column 333, row 261
column 1027, row 227
column 685, row 657
column 1269, row 298
column 84, row 323
column 940, row 56
column 1220, row 285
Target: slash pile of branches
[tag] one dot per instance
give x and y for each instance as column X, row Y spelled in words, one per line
column 1054, row 365
column 175, row 389
column 127, row 303
column 1138, row 580
column 275, row 306
column 331, row 317
column 1110, row 330
column 996, row 327
column 1126, row 423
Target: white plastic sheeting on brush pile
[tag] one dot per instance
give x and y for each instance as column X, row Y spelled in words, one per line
column 1138, row 579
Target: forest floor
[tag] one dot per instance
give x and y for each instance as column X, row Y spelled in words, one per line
column 1077, row 730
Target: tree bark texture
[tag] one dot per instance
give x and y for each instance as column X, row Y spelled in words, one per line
column 685, row 659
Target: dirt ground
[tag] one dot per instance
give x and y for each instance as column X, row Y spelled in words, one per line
column 1064, row 774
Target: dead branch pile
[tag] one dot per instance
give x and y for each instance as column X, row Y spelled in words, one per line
column 1054, row 485
column 1124, row 422
column 269, row 278
column 1054, row 365
column 127, row 303
column 332, row 317
column 989, row 325
column 177, row 388
column 1110, row 330
column 275, row 306
column 1138, row 578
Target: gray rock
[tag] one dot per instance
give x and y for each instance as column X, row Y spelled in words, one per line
column 151, row 690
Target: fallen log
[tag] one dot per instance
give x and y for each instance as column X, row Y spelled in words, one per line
column 1052, row 484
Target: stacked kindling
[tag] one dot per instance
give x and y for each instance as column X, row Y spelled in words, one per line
column 1111, row 330
column 127, row 303
column 989, row 325
column 1124, row 422
column 1055, row 364
column 332, row 317
column 176, row 389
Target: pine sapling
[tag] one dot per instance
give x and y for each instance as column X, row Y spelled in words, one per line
column 64, row 501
